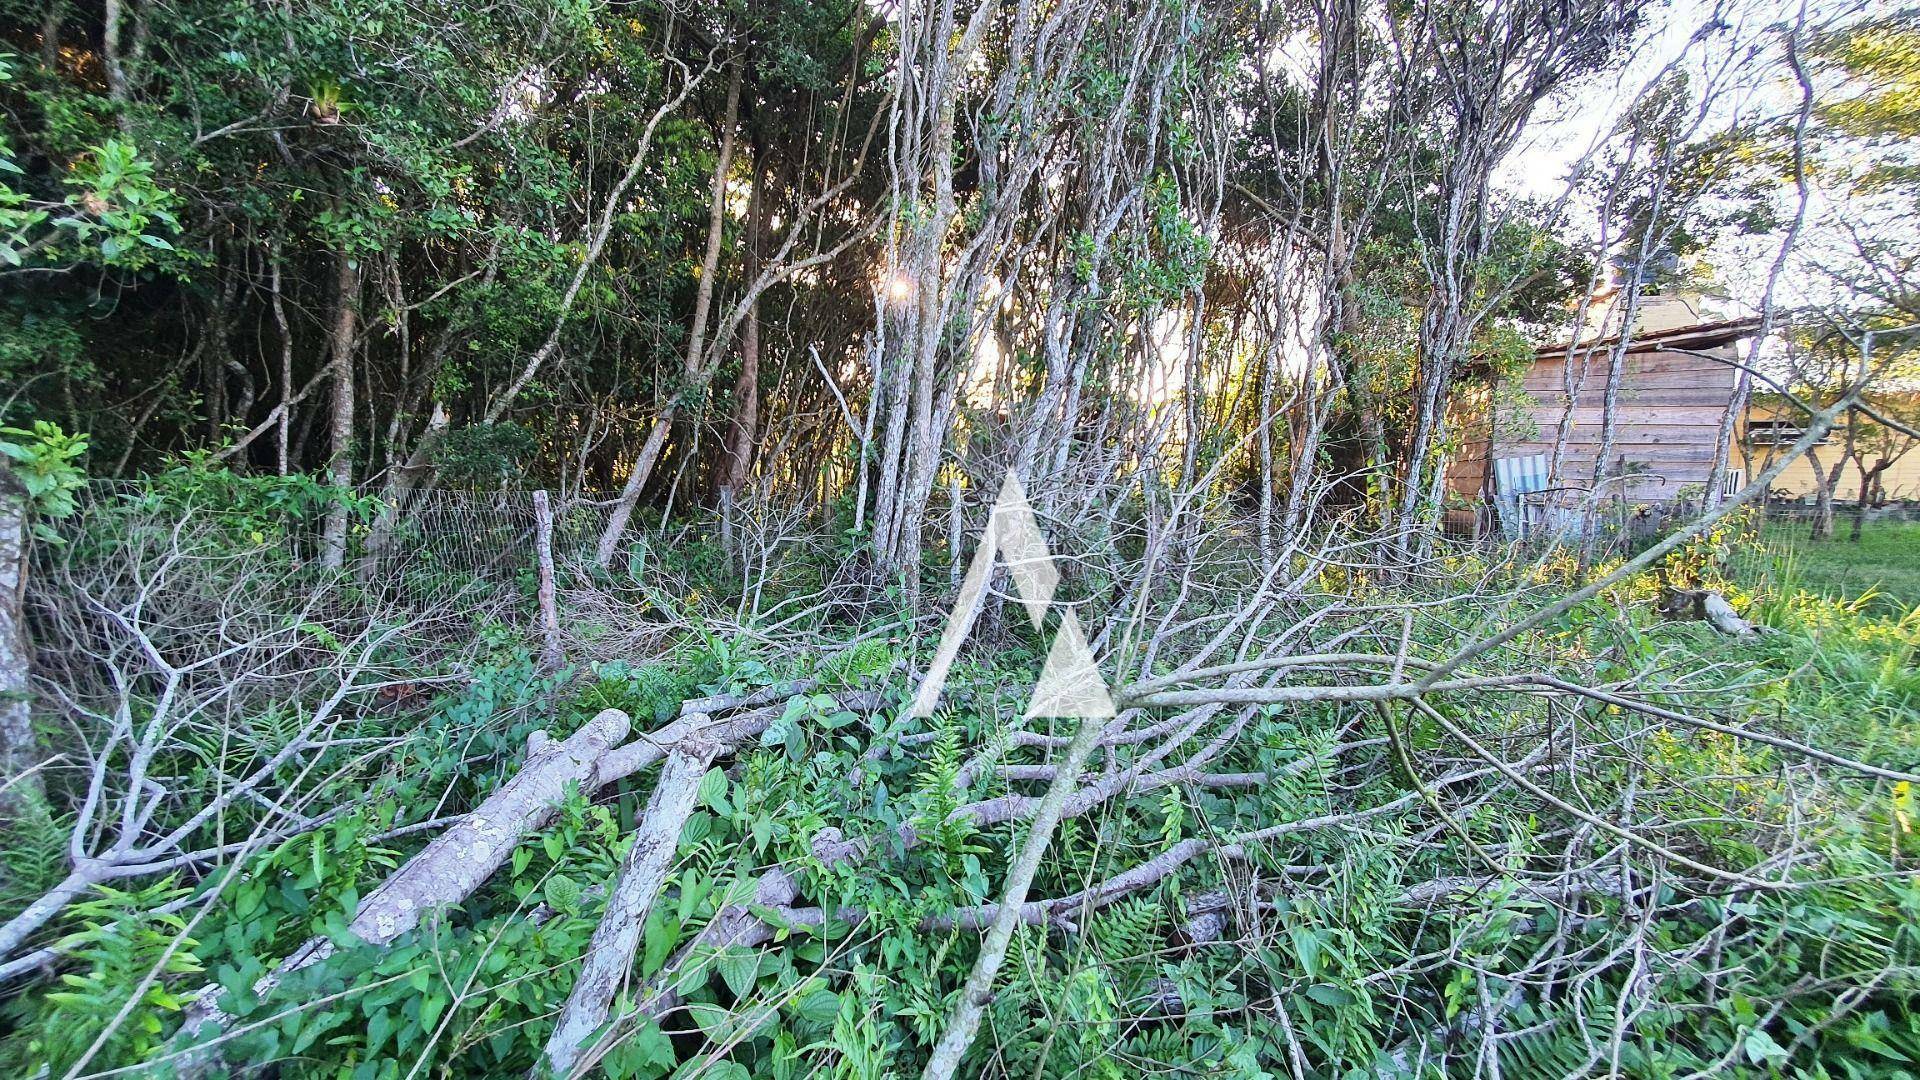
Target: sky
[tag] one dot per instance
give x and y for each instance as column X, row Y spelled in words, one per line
column 1740, row 58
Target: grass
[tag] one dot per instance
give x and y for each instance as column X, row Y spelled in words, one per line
column 1885, row 561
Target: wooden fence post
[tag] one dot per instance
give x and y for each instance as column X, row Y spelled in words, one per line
column 551, row 654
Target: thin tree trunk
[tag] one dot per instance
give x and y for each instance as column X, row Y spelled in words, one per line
column 216, row 358
column 398, row 491
column 611, row 208
column 1824, row 482
column 1860, row 509
column 1743, row 384
column 18, row 752
column 339, row 472
column 696, row 340
column 110, row 59
column 978, row 991
column 56, row 14
column 744, row 428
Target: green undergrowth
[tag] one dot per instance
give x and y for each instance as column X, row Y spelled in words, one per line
column 1334, row 970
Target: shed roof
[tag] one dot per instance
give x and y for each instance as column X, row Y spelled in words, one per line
column 1698, row 336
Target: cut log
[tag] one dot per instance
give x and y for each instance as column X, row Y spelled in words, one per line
column 1721, row 616
column 453, row 865
column 726, row 732
column 459, row 861
column 736, row 925
column 609, row 959
column 1708, row 607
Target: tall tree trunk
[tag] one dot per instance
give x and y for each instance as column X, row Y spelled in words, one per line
column 286, row 358
column 397, row 492
column 906, row 491
column 55, row 15
column 339, row 471
column 216, row 357
column 743, row 428
column 1824, row 482
column 1743, row 385
column 1617, row 362
column 17, row 751
column 696, row 338
column 1867, row 477
column 110, row 62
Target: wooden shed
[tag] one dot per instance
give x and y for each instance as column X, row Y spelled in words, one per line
column 1674, row 393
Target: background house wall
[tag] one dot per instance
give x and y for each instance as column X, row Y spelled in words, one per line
column 1900, row 481
column 1674, row 392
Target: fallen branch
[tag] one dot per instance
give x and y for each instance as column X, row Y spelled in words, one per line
column 1721, row 616
column 609, row 956
column 450, row 867
column 1706, row 606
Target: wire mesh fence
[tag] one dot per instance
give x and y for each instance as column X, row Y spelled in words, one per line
column 444, row 544
column 447, row 547
column 436, row 547
column 1872, row 557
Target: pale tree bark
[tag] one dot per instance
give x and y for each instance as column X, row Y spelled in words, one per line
column 18, row 753
column 907, row 481
column 111, row 62
column 285, row 413
column 1743, row 378
column 339, row 471
column 1578, row 361
column 1498, row 68
column 609, row 960
column 551, row 654
column 454, row 864
column 1603, row 470
column 1824, row 481
column 649, row 456
column 978, row 990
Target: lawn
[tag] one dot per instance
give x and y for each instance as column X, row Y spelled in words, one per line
column 1885, row 560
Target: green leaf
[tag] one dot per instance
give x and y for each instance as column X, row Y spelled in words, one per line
column 563, row 894
column 1331, row 996
column 661, row 936
column 821, row 1006
column 1761, row 1049
column 713, row 792
column 738, row 968
column 379, row 1026
column 1306, row 944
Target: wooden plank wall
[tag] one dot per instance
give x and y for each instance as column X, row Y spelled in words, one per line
column 1668, row 419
